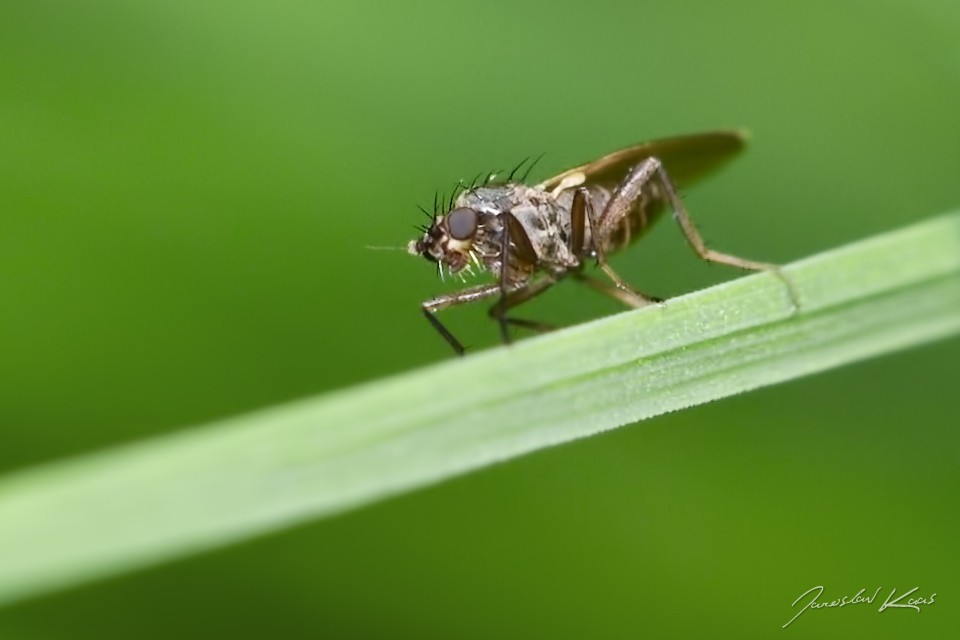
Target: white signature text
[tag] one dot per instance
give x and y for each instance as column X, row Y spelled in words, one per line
column 889, row 603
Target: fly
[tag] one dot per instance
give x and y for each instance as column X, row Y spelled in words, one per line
column 531, row 237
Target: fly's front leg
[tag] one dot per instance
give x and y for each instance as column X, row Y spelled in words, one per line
column 514, row 238
column 430, row 308
column 581, row 214
column 630, row 190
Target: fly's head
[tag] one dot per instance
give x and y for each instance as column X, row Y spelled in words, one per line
column 450, row 239
column 467, row 234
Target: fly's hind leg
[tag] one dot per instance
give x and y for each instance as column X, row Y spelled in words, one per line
column 652, row 169
column 582, row 214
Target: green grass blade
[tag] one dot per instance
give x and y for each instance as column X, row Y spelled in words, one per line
column 130, row 507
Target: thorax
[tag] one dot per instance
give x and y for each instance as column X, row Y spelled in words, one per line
column 545, row 219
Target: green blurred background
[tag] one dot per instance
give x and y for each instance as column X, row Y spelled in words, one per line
column 187, row 190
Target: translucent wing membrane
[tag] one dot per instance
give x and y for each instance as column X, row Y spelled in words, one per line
column 686, row 159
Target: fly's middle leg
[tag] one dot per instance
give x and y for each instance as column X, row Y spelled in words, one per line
column 582, row 214
column 616, row 293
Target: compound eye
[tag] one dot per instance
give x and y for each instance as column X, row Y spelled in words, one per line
column 462, row 223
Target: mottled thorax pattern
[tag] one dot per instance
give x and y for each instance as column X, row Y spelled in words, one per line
column 545, row 221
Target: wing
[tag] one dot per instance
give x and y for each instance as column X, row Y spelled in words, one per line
column 686, row 159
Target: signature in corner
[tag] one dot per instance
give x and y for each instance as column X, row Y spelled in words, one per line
column 912, row 603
